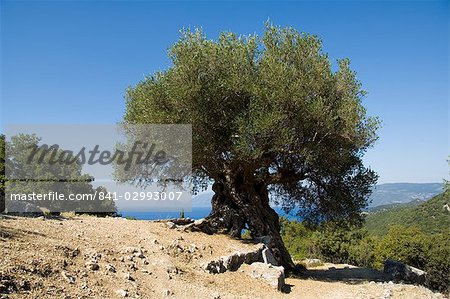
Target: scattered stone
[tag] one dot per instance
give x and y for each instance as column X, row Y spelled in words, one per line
column 215, row 267
column 132, row 266
column 270, row 274
column 128, row 276
column 192, row 248
column 182, row 221
column 146, row 271
column 110, row 268
column 69, row 278
column 135, row 251
column 92, row 265
column 122, row 293
column 171, row 225
column 171, row 269
column 199, row 221
column 93, row 254
column 312, row 262
column 168, row 293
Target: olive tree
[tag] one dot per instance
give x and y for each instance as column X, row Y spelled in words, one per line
column 270, row 116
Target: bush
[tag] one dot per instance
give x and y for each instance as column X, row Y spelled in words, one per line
column 438, row 263
column 297, row 239
column 333, row 242
column 344, row 243
column 362, row 253
column 407, row 245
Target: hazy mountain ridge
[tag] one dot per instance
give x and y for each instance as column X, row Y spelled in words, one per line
column 398, row 193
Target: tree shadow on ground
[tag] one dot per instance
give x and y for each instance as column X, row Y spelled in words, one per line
column 10, row 233
column 351, row 275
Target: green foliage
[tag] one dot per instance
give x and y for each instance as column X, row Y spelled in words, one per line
column 297, row 239
column 429, row 252
column 271, row 108
column 438, row 262
column 407, row 245
column 343, row 243
column 431, row 216
column 182, row 213
column 331, row 241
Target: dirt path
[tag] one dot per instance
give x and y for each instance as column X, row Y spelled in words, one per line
column 42, row 258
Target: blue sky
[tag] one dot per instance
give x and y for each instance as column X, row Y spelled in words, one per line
column 70, row 62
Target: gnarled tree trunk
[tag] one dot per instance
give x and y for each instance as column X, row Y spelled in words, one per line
column 238, row 204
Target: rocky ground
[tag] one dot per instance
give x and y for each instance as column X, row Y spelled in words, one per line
column 88, row 257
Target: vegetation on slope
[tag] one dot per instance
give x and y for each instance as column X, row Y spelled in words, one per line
column 341, row 243
column 418, row 235
column 431, row 217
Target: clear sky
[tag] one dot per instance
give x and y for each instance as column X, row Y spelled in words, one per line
column 70, row 62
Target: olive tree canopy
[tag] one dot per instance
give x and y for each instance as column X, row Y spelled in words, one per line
column 269, row 116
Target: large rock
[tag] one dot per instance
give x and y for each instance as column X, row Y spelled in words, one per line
column 272, row 275
column 399, row 271
column 268, row 257
column 234, row 261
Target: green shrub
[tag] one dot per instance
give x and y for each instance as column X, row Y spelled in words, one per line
column 362, row 253
column 343, row 243
column 404, row 244
column 297, row 239
column 438, row 262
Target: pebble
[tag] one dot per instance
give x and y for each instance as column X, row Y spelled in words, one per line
column 128, row 276
column 69, row 278
column 122, row 293
column 171, row 225
column 168, row 293
column 111, row 268
column 92, row 265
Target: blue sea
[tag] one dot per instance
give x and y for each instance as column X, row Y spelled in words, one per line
column 197, row 213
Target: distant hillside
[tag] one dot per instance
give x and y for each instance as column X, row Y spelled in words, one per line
column 395, row 193
column 381, row 208
column 432, row 216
